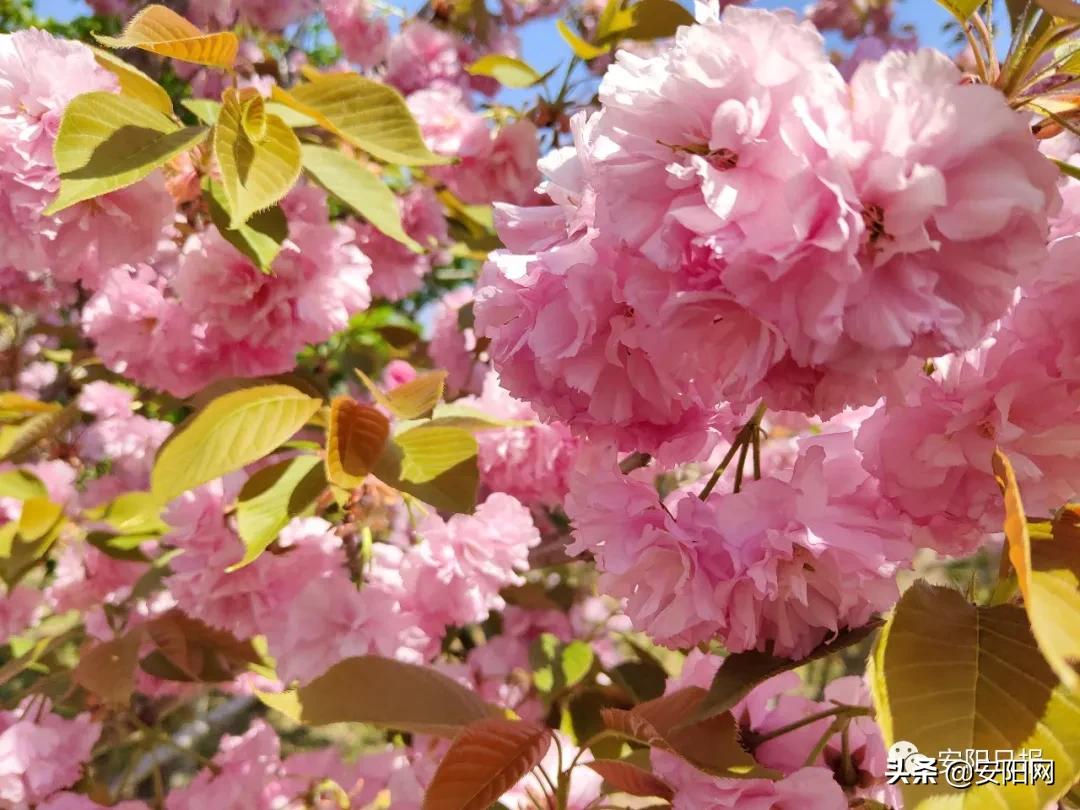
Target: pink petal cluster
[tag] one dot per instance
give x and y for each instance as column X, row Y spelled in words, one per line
column 217, row 315
column 784, row 564
column 453, row 348
column 737, row 222
column 532, row 461
column 504, row 171
column 41, row 752
column 398, row 271
column 362, row 36
column 423, row 55
column 17, row 610
column 448, row 125
column 44, row 257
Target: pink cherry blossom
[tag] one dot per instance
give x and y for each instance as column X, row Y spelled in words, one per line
column 397, row 270
column 503, row 172
column 447, row 124
column 362, row 35
column 41, row 752
column 453, row 348
column 424, row 56
column 17, row 610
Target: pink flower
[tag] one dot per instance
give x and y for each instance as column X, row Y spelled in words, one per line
column 41, row 752
column 454, row 576
column 119, row 435
column 425, row 56
column 217, row 315
column 397, row 372
column 362, row 36
column 448, row 125
column 396, row 270
column 75, row 801
column 531, row 462
column 17, row 610
column 786, row 563
column 39, row 75
column 503, row 172
column 85, row 577
column 453, row 348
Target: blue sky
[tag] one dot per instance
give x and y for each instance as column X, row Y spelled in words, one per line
column 543, row 48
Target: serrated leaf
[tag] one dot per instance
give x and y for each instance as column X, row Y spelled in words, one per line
column 582, row 49
column 15, row 439
column 161, row 30
column 948, row 675
column 452, row 491
column 390, row 694
column 107, row 668
column 409, row 400
column 205, row 109
column 232, row 430
column 506, row 70
column 189, row 650
column 484, row 761
column 741, row 672
column 358, row 188
column 272, row 497
column 134, row 83
column 355, row 439
column 108, row 141
column 255, row 173
column 452, row 414
column 1046, row 558
column 120, row 546
column 428, row 452
column 710, row 745
column 629, row 778
column 21, row 485
column 368, row 114
column 259, row 238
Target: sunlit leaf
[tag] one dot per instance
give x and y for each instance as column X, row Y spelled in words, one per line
column 134, row 83
column 428, row 452
column 290, row 116
column 652, row 19
column 355, row 439
column 387, row 693
column 15, row 439
column 948, row 675
column 108, row 141
column 451, row 491
column 409, row 400
column 557, row 666
column 134, row 513
column 235, row 429
column 22, row 485
column 1046, row 558
column 484, row 761
column 162, row 31
column 506, row 70
column 272, row 497
column 259, row 238
column 256, row 172
column 581, row 48
column 358, row 188
column 368, row 114
column 15, row 406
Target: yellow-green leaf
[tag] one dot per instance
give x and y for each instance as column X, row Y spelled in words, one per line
column 134, row 83
column 387, row 693
column 506, row 70
column 290, row 116
column 581, row 48
column 1046, row 558
column 412, row 399
column 366, row 113
column 255, row 173
column 135, row 513
column 108, row 141
column 451, row 491
column 38, row 516
column 260, row 238
column 15, row 406
column 162, row 31
column 656, row 19
column 15, row 439
column 962, row 9
column 948, row 675
column 234, row 429
column 428, row 452
column 272, row 497
column 22, row 485
column 358, row 188
column 355, row 437
column 205, row 109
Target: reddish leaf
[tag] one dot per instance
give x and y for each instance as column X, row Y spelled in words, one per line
column 631, row 779
column 189, row 650
column 484, row 761
column 107, row 669
column 354, row 441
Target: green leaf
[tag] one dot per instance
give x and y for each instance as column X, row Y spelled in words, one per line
column 428, row 452
column 41, row 520
column 260, row 238
column 272, row 497
column 37, row 517
column 259, row 156
column 452, row 414
column 581, row 48
column 557, row 666
column 162, row 31
column 135, row 513
column 1046, row 558
column 234, row 429
column 452, row 491
column 386, row 693
column 108, row 141
column 22, row 485
column 120, row 546
column 962, row 9
column 1067, row 169
column 743, row 671
column 409, row 400
column 358, row 188
column 134, row 83
column 205, row 109
column 368, row 114
column 948, row 675
column 507, row 70
column 290, row 116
